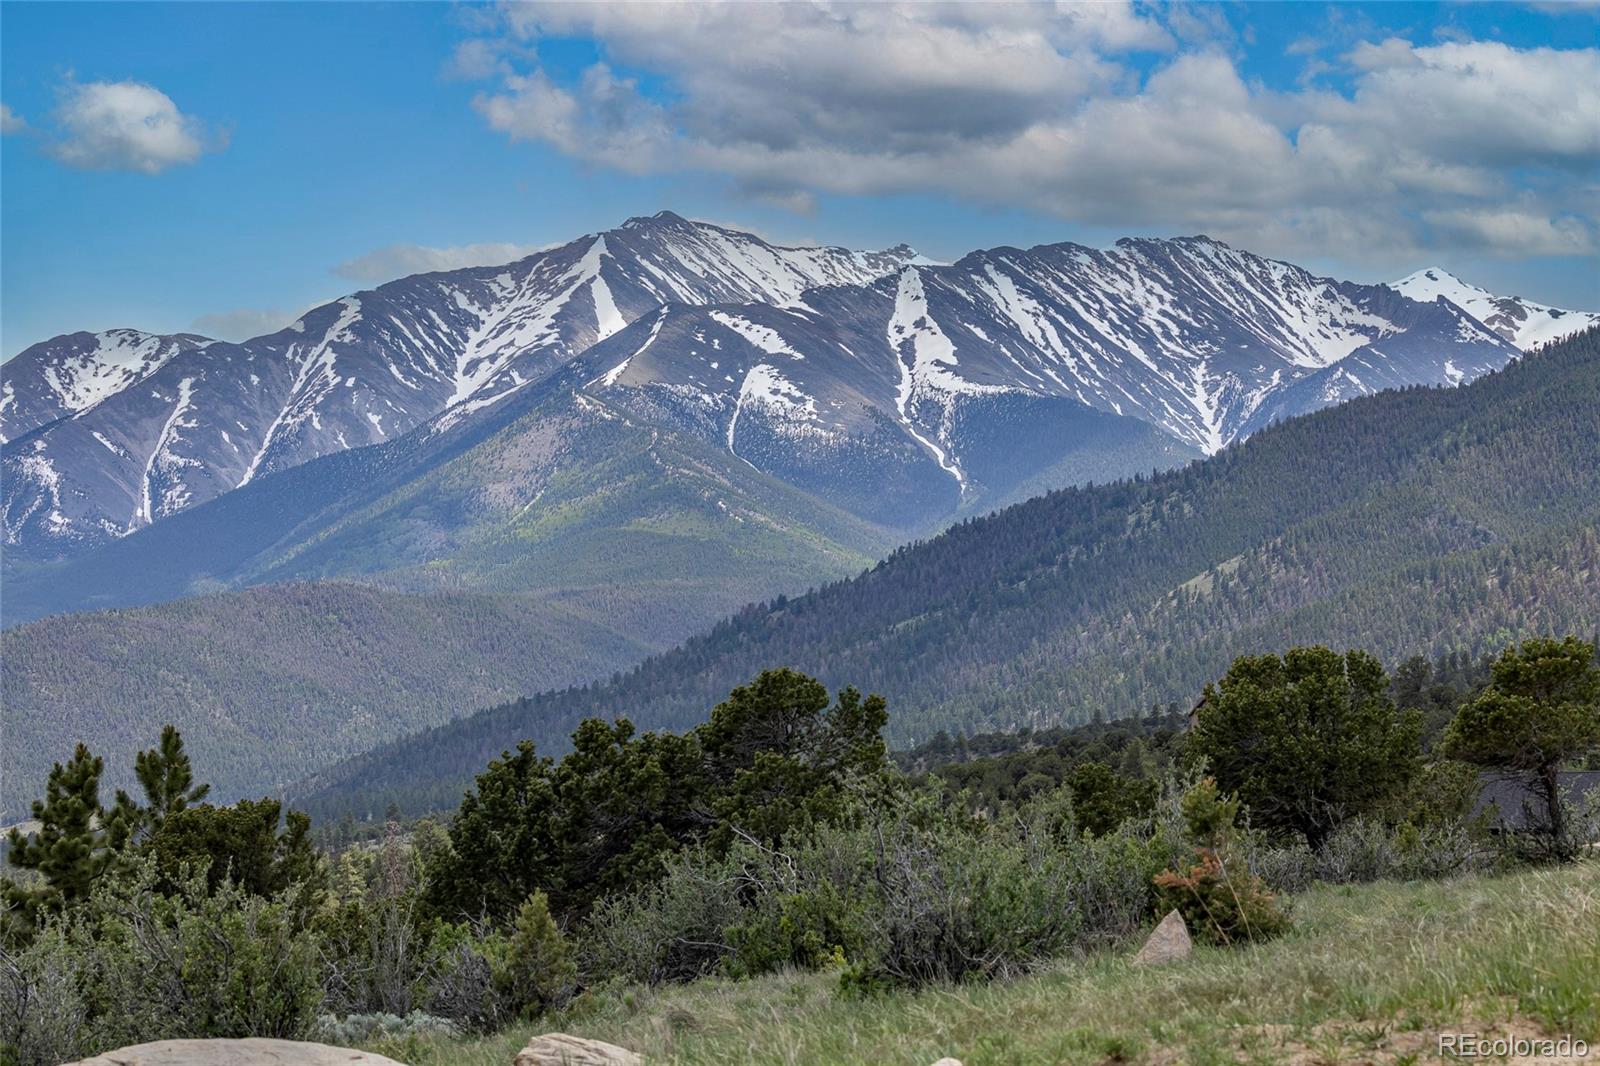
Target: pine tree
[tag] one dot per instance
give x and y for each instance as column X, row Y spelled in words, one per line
column 167, row 778
column 77, row 843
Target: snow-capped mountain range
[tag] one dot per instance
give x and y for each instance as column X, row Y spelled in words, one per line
column 108, row 433
column 1188, row 335
column 899, row 389
column 1522, row 322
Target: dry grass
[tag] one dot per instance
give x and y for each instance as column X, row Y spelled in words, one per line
column 1370, row 974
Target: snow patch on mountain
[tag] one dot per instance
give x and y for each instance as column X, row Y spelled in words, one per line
column 39, row 470
column 317, row 368
column 926, row 359
column 698, row 262
column 162, row 459
column 788, row 408
column 68, row 375
column 120, row 357
column 768, row 340
column 610, row 376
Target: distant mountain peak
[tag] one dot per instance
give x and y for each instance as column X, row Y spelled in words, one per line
column 790, row 358
column 68, row 375
column 1197, row 238
column 1438, row 275
column 1522, row 322
column 657, row 220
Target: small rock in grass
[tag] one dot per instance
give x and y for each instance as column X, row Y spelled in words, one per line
column 1168, row 943
column 559, row 1049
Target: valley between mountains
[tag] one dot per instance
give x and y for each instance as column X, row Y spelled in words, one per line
column 462, row 488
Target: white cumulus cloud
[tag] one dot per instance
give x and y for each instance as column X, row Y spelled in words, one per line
column 124, row 125
column 1476, row 144
column 10, row 121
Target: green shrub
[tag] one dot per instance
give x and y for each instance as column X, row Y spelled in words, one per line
column 1285, row 868
column 532, row 969
column 1219, row 896
column 954, row 904
column 42, row 1015
column 811, row 930
column 1113, row 874
column 459, row 982
column 196, row 963
column 669, row 931
column 373, row 931
column 1363, row 850
column 903, row 892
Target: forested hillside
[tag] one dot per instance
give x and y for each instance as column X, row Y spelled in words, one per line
column 271, row 681
column 639, row 541
column 1420, row 521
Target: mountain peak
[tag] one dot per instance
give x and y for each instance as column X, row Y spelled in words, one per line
column 1153, row 331
column 1436, row 275
column 1521, row 322
column 1430, row 283
column 659, row 219
column 1162, row 242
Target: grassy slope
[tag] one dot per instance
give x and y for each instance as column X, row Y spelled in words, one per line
column 1369, row 974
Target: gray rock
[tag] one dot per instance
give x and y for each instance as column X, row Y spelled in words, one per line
column 1168, row 943
column 254, row 1051
column 560, row 1049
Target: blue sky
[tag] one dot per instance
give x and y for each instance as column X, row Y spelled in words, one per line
column 219, row 167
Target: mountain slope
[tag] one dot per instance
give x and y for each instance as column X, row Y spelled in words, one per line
column 368, row 368
column 948, row 386
column 867, row 414
column 1522, row 322
column 639, row 542
column 1413, row 521
column 547, row 489
column 1202, row 342
column 267, row 682
column 65, row 376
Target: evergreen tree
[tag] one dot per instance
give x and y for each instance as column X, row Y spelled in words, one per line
column 1307, row 740
column 502, row 846
column 772, row 756
column 1103, row 799
column 777, row 754
column 167, row 779
column 77, row 843
column 1540, row 711
column 241, row 843
column 533, row 968
column 624, row 802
